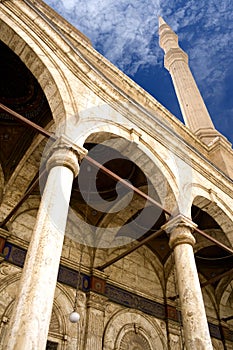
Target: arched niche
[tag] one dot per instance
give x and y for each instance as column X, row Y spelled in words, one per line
column 128, row 330
column 213, row 262
column 133, row 339
column 60, row 326
column 43, row 93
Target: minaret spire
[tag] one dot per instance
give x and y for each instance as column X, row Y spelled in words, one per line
column 192, row 106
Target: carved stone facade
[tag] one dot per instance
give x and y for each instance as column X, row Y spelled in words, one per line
column 74, row 237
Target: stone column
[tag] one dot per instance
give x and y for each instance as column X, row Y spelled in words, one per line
column 29, row 324
column 196, row 331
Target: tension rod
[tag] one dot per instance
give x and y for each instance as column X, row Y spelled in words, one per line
column 34, row 184
column 106, row 171
column 125, row 183
column 216, row 278
column 27, row 122
column 130, row 250
column 89, row 159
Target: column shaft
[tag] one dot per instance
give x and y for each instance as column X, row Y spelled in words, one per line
column 196, row 330
column 195, row 324
column 29, row 323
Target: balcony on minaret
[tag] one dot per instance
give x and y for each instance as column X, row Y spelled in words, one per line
column 167, row 38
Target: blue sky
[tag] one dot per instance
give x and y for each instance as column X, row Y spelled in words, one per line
column 126, row 32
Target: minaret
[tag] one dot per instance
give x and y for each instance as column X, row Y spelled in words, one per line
column 192, row 106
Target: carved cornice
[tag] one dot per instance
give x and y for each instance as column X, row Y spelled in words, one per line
column 4, row 233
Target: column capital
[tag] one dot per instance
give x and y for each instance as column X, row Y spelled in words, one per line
column 180, row 229
column 65, row 153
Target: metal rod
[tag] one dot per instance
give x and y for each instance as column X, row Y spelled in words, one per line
column 125, row 183
column 106, row 171
column 27, row 122
column 89, row 159
column 211, row 280
column 204, row 234
column 216, row 278
column 130, row 250
column 23, row 198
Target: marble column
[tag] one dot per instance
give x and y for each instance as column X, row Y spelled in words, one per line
column 196, row 331
column 29, row 323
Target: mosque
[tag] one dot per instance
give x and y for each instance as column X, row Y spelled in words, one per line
column 116, row 219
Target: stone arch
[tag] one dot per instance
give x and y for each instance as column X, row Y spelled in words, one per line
column 40, row 61
column 149, row 162
column 209, row 202
column 101, row 131
column 120, row 137
column 217, row 209
column 137, row 152
column 126, row 323
column 41, row 64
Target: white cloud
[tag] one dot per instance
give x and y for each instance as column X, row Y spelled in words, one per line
column 126, row 32
column 205, row 29
column 122, row 30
